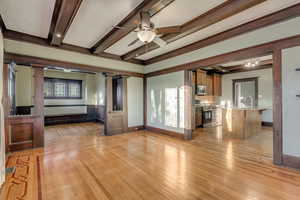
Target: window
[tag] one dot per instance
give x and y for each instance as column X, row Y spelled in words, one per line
column 245, row 92
column 55, row 88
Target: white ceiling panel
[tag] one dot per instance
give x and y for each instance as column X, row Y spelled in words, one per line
column 28, row 16
column 177, row 13
column 95, row 18
column 260, row 10
column 122, row 46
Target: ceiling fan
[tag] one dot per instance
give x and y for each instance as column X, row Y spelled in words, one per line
column 146, row 31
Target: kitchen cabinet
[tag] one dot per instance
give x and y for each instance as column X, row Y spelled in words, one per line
column 217, row 84
column 201, row 77
column 198, row 116
column 209, row 85
column 213, row 82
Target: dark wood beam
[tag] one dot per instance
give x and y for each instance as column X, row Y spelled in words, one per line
column 42, row 62
column 2, row 24
column 217, row 14
column 63, row 16
column 131, row 22
column 282, row 15
column 242, row 54
column 13, row 35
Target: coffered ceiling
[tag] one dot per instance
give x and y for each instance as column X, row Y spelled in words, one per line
column 88, row 25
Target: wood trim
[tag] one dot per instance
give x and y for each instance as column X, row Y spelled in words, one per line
column 282, row 15
column 6, row 106
column 54, row 19
column 30, row 60
column 67, row 12
column 2, row 24
column 131, row 22
column 165, row 132
column 242, row 54
column 135, row 128
column 255, row 79
column 188, row 110
column 215, row 15
column 17, row 36
column 38, row 108
column 269, row 124
column 145, row 100
column 277, row 108
column 291, row 161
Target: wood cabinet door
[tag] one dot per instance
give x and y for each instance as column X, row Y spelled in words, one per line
column 201, row 77
column 217, row 85
column 209, row 84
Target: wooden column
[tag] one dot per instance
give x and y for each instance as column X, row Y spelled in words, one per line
column 277, row 107
column 38, row 100
column 6, row 105
column 188, row 105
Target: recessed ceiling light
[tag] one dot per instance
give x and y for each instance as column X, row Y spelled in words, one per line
column 67, row 70
column 58, row 35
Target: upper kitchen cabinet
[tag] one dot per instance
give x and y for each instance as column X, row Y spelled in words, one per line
column 212, row 82
column 201, row 77
column 217, row 84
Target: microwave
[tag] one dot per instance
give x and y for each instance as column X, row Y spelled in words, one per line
column 201, row 90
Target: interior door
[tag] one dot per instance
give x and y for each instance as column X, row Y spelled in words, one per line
column 116, row 105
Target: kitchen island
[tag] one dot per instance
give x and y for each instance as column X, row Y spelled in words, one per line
column 241, row 123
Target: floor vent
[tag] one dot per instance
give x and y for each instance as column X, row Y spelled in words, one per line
column 10, row 170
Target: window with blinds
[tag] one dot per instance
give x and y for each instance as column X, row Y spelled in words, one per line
column 55, row 88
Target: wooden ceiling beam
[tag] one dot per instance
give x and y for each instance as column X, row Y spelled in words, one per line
column 13, row 35
column 217, row 14
column 63, row 16
column 2, row 24
column 282, row 15
column 131, row 22
column 43, row 62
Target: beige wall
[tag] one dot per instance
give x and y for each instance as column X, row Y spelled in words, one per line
column 135, row 98
column 165, row 102
column 291, row 103
column 265, row 89
column 2, row 137
column 24, row 89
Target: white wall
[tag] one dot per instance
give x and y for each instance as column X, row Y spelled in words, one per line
column 265, row 89
column 24, row 90
column 2, row 137
column 135, row 98
column 274, row 32
column 100, row 88
column 165, row 101
column 291, row 103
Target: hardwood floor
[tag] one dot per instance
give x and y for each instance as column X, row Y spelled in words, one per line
column 258, row 147
column 144, row 165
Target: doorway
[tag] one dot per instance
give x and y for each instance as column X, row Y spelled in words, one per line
column 240, row 117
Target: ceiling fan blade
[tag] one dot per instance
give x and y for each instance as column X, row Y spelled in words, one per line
column 168, row 30
column 133, row 42
column 160, row 41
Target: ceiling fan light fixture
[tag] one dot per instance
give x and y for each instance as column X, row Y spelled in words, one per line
column 146, row 36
